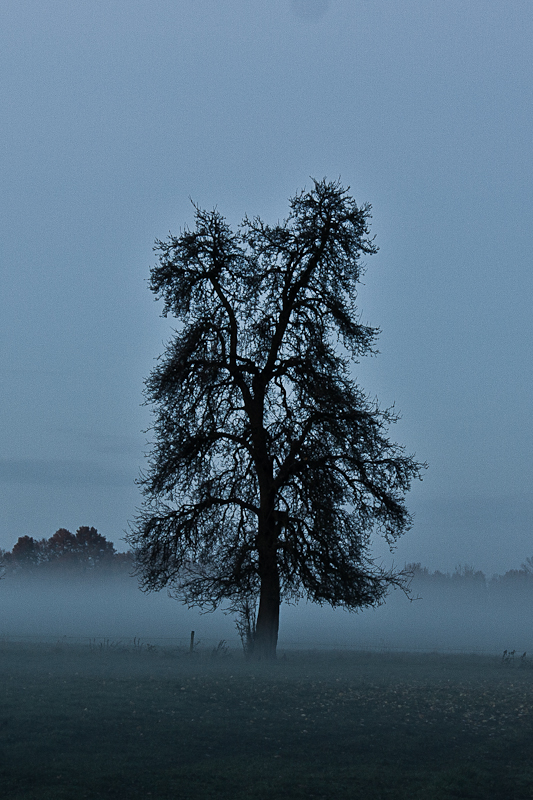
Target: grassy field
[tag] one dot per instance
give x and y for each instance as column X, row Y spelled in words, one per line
column 140, row 722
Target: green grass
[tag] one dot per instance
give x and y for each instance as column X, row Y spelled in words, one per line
column 77, row 722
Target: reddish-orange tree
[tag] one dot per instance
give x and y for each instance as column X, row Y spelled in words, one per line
column 270, row 467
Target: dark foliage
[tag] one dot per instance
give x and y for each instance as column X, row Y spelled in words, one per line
column 270, row 468
column 86, row 549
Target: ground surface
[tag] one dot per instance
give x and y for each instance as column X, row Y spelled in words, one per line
column 109, row 721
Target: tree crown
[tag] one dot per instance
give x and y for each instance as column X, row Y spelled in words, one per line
column 262, row 438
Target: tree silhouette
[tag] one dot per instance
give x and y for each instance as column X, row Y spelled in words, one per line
column 270, row 467
column 26, row 552
column 61, row 549
column 92, row 546
column 64, row 550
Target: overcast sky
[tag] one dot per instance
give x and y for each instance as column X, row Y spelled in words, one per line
column 115, row 113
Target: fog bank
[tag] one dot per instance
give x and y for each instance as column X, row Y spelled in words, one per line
column 442, row 619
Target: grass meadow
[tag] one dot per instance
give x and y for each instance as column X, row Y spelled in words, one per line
column 112, row 721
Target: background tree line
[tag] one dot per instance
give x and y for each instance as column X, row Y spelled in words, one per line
column 467, row 578
column 89, row 550
column 86, row 550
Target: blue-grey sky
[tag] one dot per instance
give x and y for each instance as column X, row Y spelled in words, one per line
column 113, row 114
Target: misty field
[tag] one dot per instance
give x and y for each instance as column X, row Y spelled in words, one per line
column 109, row 721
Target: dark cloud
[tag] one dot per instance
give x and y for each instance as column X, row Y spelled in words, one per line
column 109, row 444
column 67, row 473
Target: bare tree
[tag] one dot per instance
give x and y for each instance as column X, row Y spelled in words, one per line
column 270, row 468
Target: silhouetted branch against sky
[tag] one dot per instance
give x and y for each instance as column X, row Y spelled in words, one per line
column 270, row 468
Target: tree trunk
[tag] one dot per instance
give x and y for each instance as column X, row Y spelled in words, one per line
column 267, row 625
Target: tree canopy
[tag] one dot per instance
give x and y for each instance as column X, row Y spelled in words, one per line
column 270, row 468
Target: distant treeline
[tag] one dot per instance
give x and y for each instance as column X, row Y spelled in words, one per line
column 89, row 551
column 468, row 578
column 84, row 551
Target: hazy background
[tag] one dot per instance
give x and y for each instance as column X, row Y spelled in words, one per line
column 114, row 114
column 445, row 617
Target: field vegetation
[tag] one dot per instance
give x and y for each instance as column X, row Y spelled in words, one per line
column 141, row 721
